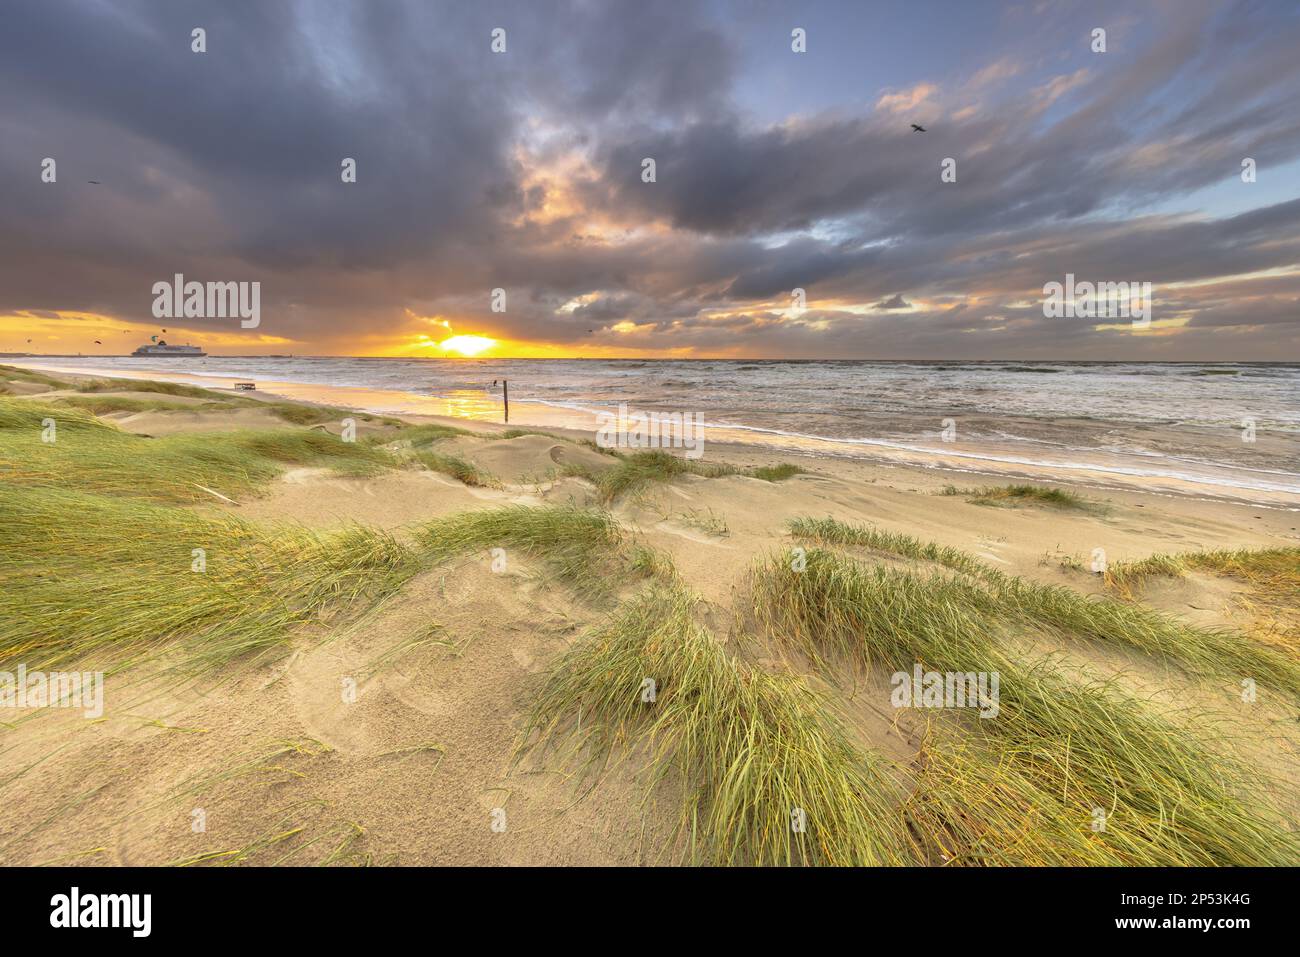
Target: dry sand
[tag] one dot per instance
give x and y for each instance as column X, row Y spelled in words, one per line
column 414, row 770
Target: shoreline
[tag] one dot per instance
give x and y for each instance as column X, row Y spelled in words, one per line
column 1193, row 479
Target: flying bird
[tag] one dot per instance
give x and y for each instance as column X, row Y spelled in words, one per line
column 98, row 343
column 917, row 129
column 94, row 182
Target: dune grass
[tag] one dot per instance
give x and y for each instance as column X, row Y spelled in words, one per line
column 285, row 843
column 973, row 805
column 420, row 436
column 705, row 519
column 305, row 831
column 520, row 433
column 417, row 444
column 93, row 561
column 1169, row 799
column 1024, row 494
column 296, row 413
column 776, row 473
column 1204, row 652
column 107, row 404
column 150, row 385
column 1271, row 577
column 830, row 531
column 583, row 547
column 585, row 443
column 653, row 563
column 749, row 750
column 1275, row 570
column 15, row 374
column 30, row 415
column 86, row 577
column 456, row 467
column 602, row 449
column 632, row 472
column 95, row 456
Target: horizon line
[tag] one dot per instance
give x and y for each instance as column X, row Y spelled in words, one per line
column 126, row 355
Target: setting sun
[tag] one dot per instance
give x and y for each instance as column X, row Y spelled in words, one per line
column 467, row 345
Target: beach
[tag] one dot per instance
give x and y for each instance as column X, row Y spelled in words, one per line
column 416, row 701
column 1228, row 430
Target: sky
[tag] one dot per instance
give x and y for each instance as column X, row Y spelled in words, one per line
column 775, row 170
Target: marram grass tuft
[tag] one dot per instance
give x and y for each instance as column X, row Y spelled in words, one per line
column 1169, row 798
column 766, row 771
column 1205, row 652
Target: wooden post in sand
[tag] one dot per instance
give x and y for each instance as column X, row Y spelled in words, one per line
column 505, row 392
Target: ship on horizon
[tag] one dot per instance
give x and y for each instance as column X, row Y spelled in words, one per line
column 161, row 348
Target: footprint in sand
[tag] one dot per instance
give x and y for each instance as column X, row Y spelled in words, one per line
column 328, row 690
column 359, row 717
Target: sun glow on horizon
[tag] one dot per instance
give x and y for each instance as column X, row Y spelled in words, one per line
column 467, row 345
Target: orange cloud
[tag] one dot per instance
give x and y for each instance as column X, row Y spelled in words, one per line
column 901, row 101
